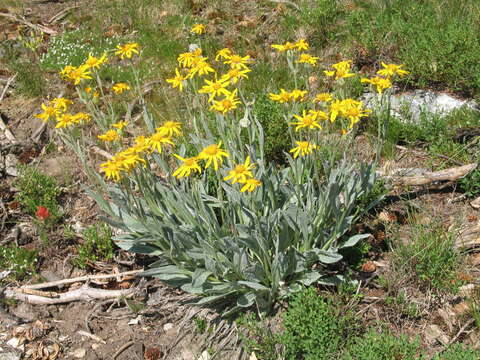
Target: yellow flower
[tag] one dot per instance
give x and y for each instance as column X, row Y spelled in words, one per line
column 159, row 139
column 88, row 90
column 127, row 50
column 307, row 59
column 94, row 63
column 65, row 120
column 201, row 67
column 198, row 29
column 61, row 104
column 120, row 125
column 170, row 128
column 323, row 97
column 129, row 159
column 77, row 74
column 81, row 116
column 112, row 168
column 297, row 94
column 177, row 81
column 301, row 45
column 48, row 113
column 241, row 172
column 379, row 82
column 189, row 164
column 342, row 70
column 392, row 69
column 142, row 145
column 250, row 185
column 215, row 88
column 238, row 62
column 223, row 53
column 318, row 115
column 285, row 47
column 303, row 148
column 213, row 154
column 282, row 98
column 228, row 103
column 66, row 70
column 119, row 88
column 348, row 108
column 233, row 75
column 187, row 59
column 110, row 135
column 306, row 121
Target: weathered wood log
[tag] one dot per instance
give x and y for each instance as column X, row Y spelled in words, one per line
column 468, row 238
column 450, row 174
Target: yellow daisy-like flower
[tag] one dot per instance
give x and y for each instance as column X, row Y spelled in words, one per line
column 198, row 29
column 228, row 103
column 112, row 168
column 241, row 173
column 65, row 120
column 129, row 159
column 110, row 135
column 177, row 81
column 215, row 88
column 308, row 59
column 119, row 88
column 301, row 45
column 250, row 185
column 303, row 148
column 49, row 112
column 238, row 62
column 120, row 125
column 284, row 47
column 297, row 94
column 158, row 140
column 213, row 155
column 323, row 97
column 94, row 63
column 233, row 75
column 78, row 74
column 341, row 70
column 66, row 71
column 306, row 121
column 390, row 70
column 142, row 145
column 127, row 50
column 318, row 114
column 282, row 98
column 81, row 116
column 189, row 165
column 170, row 128
column 61, row 104
column 187, row 59
column 201, row 68
column 224, row 53
column 379, row 83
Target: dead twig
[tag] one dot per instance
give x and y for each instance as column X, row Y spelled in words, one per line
column 41, row 28
column 85, row 293
column 122, row 349
column 4, row 91
column 450, row 174
column 92, row 313
column 59, row 16
column 80, row 279
column 7, row 131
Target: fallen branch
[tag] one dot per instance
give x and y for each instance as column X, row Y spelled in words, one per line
column 468, row 238
column 450, row 174
column 59, row 16
column 6, row 130
column 79, row 279
column 41, row 28
column 85, row 293
column 4, row 91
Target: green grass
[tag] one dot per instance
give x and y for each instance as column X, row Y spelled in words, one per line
column 443, row 49
column 458, row 352
column 20, row 261
column 428, row 259
column 38, row 189
column 97, row 245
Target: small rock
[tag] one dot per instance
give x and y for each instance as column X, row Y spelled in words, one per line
column 79, row 353
column 476, row 203
column 167, row 326
column 466, row 290
column 95, row 346
column 11, row 163
column 16, row 343
column 434, row 334
column 205, row 356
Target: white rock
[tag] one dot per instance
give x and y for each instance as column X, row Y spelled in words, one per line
column 8, row 355
column 79, row 353
column 11, row 163
column 15, row 343
column 167, row 326
column 205, row 356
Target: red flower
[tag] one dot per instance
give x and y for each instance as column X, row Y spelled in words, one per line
column 42, row 212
